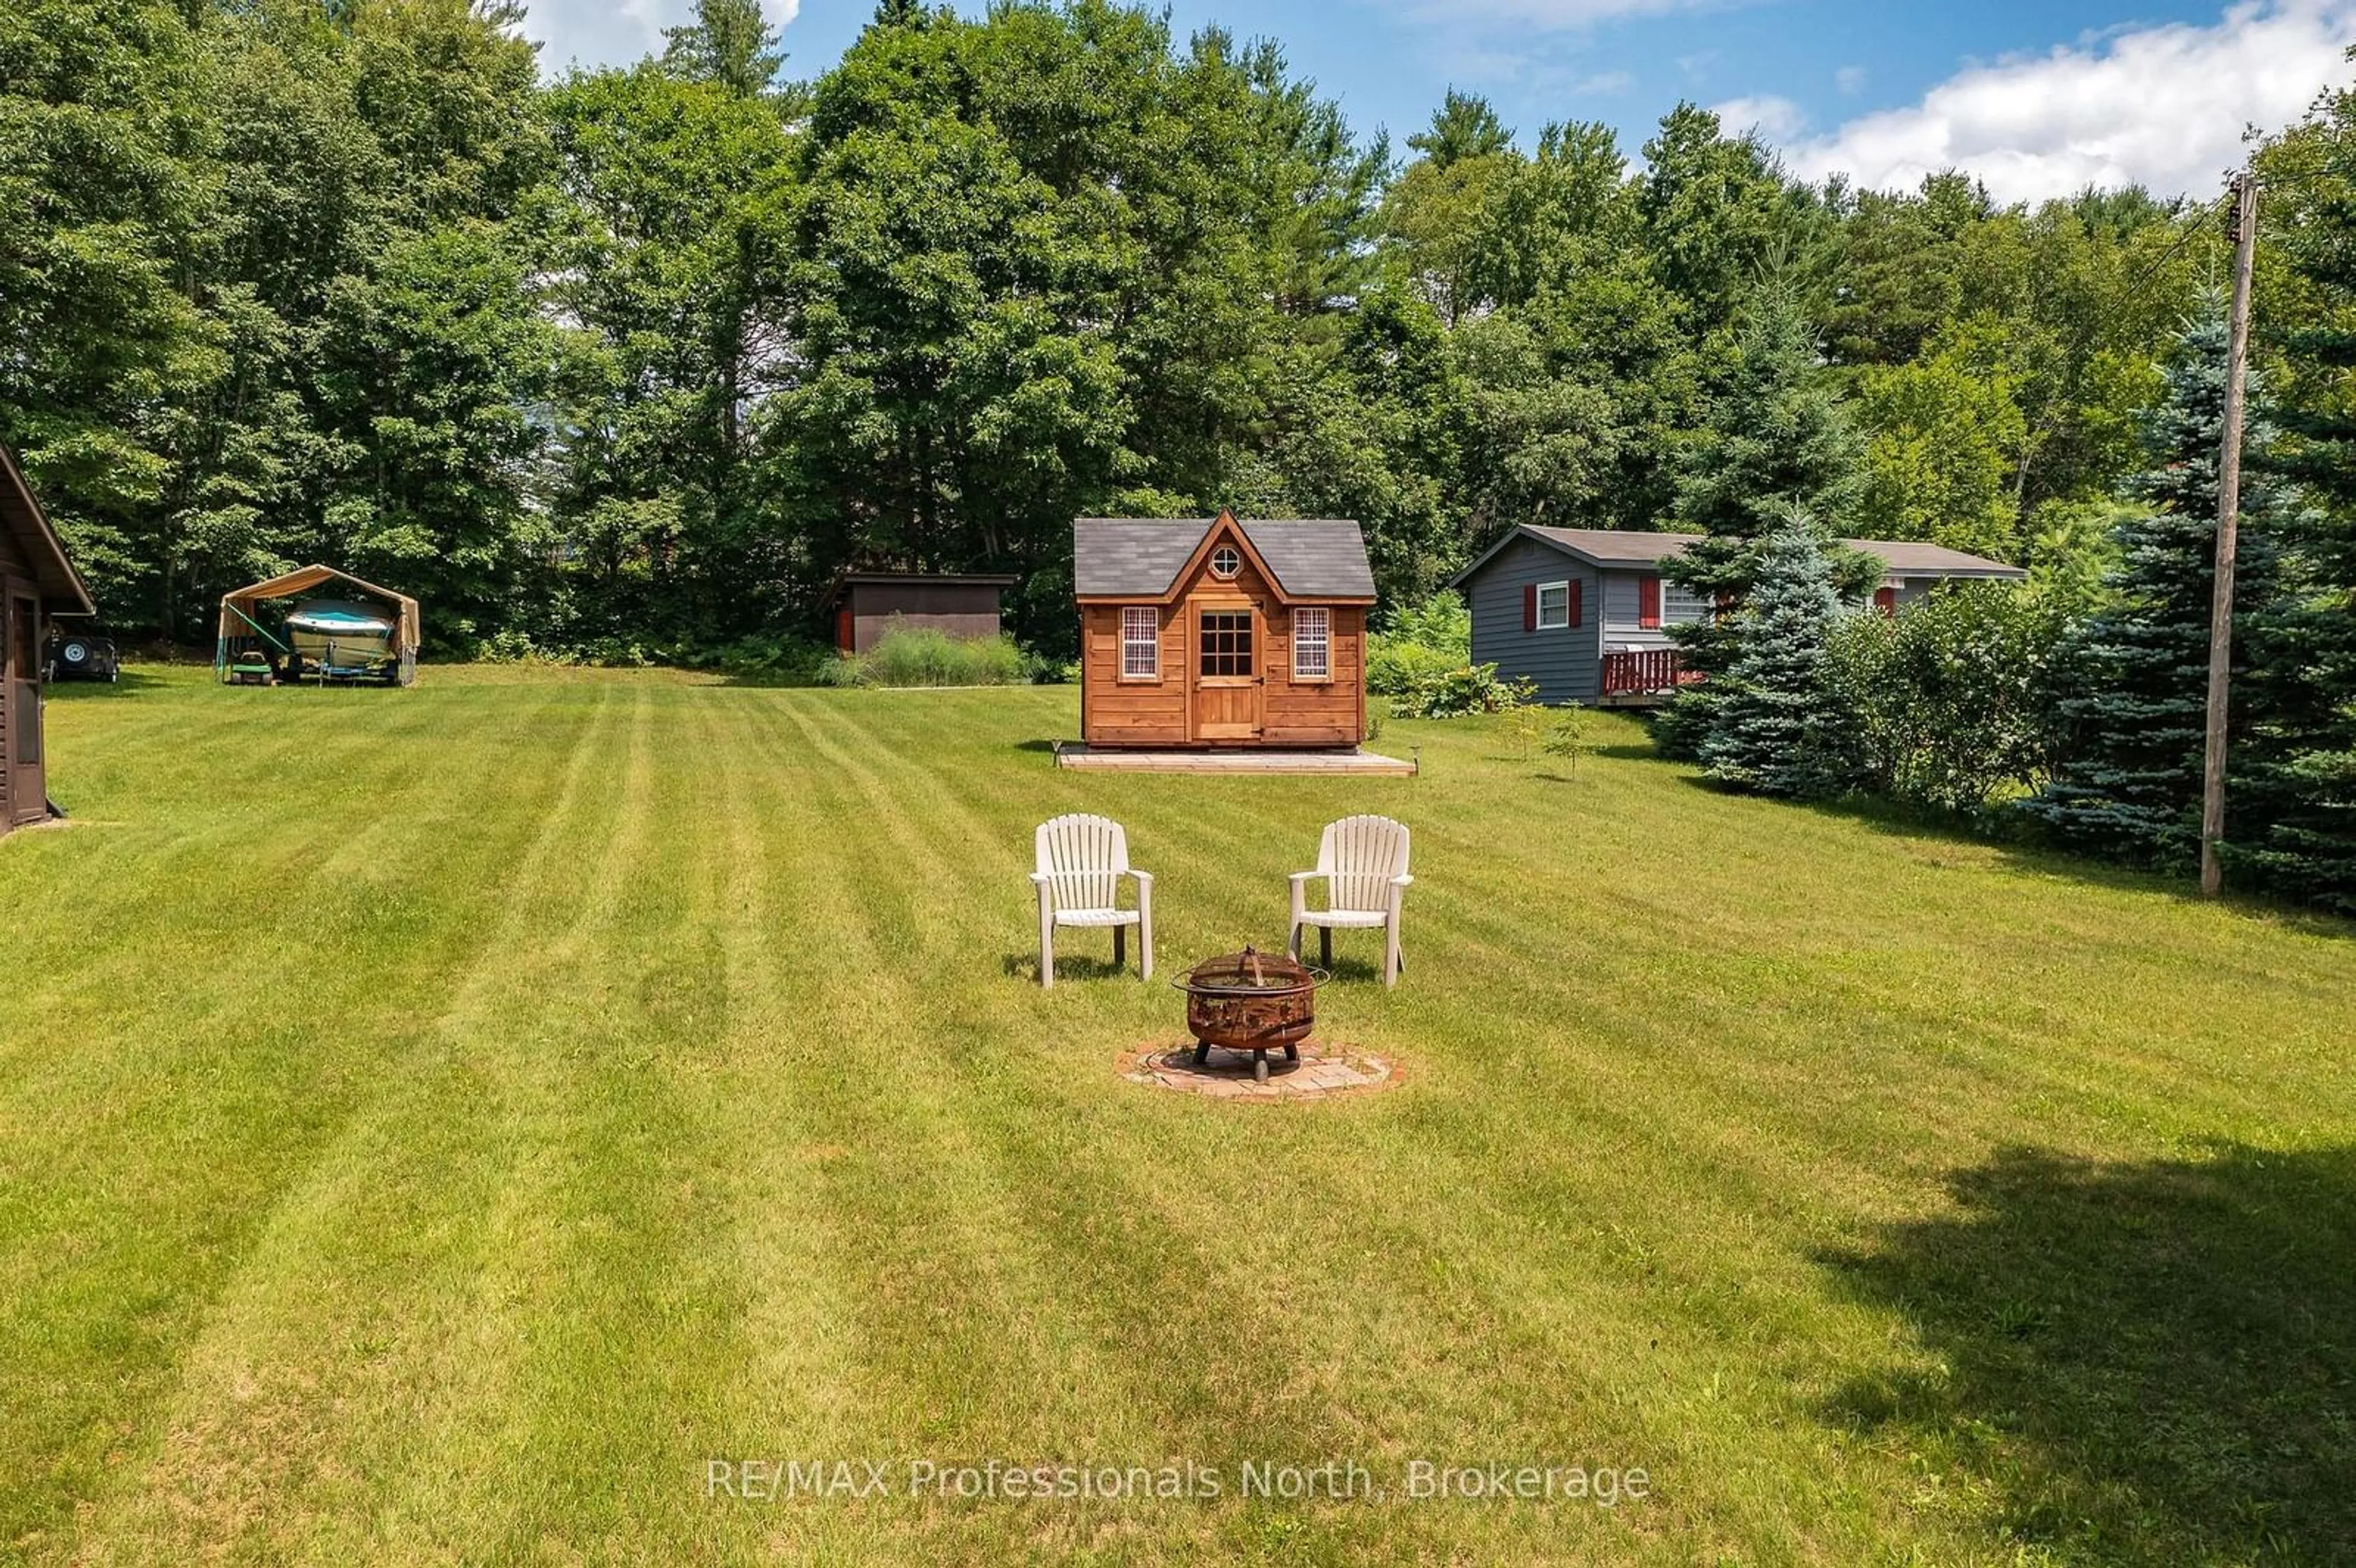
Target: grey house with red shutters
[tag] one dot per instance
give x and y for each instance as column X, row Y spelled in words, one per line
column 1586, row 614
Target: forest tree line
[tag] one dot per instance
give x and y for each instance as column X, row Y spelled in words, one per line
column 628, row 363
column 641, row 356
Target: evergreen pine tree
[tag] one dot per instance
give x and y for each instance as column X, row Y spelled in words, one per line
column 1776, row 726
column 1775, row 438
column 2128, row 784
column 730, row 44
column 2302, row 749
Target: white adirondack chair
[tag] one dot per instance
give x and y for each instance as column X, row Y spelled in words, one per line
column 1363, row 862
column 1081, row 861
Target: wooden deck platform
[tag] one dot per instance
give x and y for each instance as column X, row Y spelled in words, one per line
column 1074, row 755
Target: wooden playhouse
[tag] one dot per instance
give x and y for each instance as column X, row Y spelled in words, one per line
column 1221, row 634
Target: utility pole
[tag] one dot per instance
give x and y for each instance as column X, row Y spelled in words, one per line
column 2229, row 517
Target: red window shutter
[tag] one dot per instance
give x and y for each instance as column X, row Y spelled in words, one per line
column 1578, row 610
column 1886, row 601
column 842, row 631
column 1529, row 606
column 1648, row 600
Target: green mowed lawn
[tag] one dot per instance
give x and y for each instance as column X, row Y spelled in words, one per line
column 440, row 1126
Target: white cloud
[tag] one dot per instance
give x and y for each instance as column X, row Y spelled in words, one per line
column 1602, row 84
column 2164, row 107
column 1777, row 119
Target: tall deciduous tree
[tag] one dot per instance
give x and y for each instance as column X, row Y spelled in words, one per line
column 1715, row 212
column 670, row 251
column 104, row 129
column 1946, row 438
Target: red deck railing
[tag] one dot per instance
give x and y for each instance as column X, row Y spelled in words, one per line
column 1634, row 674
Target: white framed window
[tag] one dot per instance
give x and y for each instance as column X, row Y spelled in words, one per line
column 1681, row 606
column 1313, row 644
column 1140, row 643
column 1225, row 561
column 1554, row 606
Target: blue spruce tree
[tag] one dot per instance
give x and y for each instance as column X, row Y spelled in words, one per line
column 1776, row 437
column 2128, row 784
column 2293, row 826
column 1775, row 727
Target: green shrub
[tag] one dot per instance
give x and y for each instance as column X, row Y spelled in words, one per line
column 512, row 646
column 1040, row 669
column 920, row 656
column 780, row 661
column 1434, row 638
column 617, row 652
column 1956, row 700
column 1452, row 694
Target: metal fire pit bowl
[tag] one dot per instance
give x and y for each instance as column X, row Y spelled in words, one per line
column 1250, row 1002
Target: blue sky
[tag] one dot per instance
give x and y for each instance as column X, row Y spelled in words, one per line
column 2039, row 99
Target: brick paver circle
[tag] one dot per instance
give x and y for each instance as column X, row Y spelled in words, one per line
column 1324, row 1071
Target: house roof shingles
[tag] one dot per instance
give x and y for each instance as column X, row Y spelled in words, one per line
column 1311, row 557
column 1627, row 547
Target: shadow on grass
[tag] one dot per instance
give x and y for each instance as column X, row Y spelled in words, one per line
column 2146, row 1362
column 128, row 682
column 1350, row 968
column 2012, row 839
column 1070, row 966
column 765, row 680
column 1034, row 745
column 1900, row 820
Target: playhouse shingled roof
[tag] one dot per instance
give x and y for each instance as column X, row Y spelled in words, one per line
column 1310, row 558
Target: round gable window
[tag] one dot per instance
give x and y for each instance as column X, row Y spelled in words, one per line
column 1225, row 561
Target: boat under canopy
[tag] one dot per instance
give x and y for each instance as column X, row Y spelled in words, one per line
column 372, row 635
column 338, row 635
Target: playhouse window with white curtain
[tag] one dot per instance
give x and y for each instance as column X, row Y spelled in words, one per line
column 1313, row 644
column 1140, row 643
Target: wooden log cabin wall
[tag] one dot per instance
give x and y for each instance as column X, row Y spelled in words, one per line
column 37, row 581
column 1219, row 633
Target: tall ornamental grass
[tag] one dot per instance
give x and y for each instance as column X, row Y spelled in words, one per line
column 920, row 656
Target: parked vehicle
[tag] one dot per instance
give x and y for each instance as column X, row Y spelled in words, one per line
column 77, row 656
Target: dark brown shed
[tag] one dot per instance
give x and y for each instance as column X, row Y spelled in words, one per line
column 962, row 604
column 37, row 580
